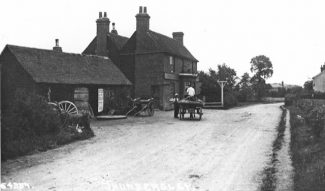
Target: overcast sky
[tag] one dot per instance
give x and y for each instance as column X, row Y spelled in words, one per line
column 290, row 32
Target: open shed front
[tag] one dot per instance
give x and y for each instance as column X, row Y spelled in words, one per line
column 94, row 99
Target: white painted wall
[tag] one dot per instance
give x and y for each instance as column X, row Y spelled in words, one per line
column 319, row 82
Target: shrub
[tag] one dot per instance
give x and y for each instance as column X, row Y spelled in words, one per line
column 314, row 114
column 31, row 124
column 230, row 100
column 289, row 99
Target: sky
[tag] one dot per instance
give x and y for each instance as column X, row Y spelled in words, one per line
column 290, row 32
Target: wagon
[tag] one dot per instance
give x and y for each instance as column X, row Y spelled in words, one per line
column 193, row 108
column 141, row 105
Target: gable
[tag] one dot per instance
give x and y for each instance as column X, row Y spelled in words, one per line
column 117, row 40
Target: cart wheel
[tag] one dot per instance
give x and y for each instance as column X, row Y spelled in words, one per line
column 181, row 113
column 200, row 113
column 151, row 110
column 68, row 107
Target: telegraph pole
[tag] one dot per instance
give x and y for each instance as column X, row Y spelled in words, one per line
column 222, row 84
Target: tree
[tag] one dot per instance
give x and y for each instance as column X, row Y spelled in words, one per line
column 244, row 81
column 225, row 73
column 308, row 86
column 210, row 88
column 262, row 68
column 244, row 88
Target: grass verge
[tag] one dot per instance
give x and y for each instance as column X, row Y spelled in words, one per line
column 269, row 174
column 308, row 154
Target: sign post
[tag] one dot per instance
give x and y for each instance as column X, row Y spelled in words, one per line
column 222, row 84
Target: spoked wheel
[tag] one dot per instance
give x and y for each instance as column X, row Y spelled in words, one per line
column 200, row 113
column 181, row 113
column 68, row 107
column 151, row 110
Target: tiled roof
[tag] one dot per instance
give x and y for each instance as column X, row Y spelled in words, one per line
column 152, row 42
column 118, row 40
column 48, row 66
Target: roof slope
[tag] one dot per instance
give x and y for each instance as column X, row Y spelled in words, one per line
column 47, row 66
column 321, row 73
column 150, row 42
column 118, row 40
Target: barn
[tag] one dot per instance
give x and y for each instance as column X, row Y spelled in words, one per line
column 58, row 75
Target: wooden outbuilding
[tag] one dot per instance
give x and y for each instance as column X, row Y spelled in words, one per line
column 58, row 75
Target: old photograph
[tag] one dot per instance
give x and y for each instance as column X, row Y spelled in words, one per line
column 162, row 95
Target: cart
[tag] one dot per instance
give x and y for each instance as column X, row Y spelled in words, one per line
column 68, row 110
column 193, row 108
column 141, row 105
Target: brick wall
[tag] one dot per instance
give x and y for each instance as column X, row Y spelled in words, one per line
column 127, row 66
column 113, row 52
column 181, row 65
column 149, row 70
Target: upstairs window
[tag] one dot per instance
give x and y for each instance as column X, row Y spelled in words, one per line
column 172, row 64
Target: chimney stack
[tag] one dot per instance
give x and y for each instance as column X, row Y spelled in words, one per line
column 102, row 31
column 114, row 31
column 179, row 37
column 322, row 68
column 57, row 48
column 142, row 20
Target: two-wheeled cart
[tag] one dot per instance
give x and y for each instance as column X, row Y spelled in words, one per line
column 141, row 105
column 193, row 108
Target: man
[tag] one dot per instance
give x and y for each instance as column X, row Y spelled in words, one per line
column 176, row 106
column 190, row 91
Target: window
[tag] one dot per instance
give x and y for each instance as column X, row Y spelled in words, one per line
column 100, row 100
column 193, row 67
column 172, row 64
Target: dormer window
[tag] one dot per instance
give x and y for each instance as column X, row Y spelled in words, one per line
column 172, row 64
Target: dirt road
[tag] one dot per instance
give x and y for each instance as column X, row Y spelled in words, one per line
column 227, row 150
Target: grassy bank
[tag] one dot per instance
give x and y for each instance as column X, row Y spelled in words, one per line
column 307, row 147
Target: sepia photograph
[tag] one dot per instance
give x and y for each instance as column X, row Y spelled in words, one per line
column 162, row 95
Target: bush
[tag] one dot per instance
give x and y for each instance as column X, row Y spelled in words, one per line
column 230, row 100
column 289, row 99
column 28, row 115
column 31, row 124
column 314, row 114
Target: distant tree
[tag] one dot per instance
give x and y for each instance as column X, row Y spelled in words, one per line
column 308, row 86
column 244, row 88
column 262, row 68
column 244, row 81
column 225, row 73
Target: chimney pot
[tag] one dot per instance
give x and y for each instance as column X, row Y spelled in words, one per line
column 114, row 31
column 57, row 48
column 102, row 31
column 142, row 20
